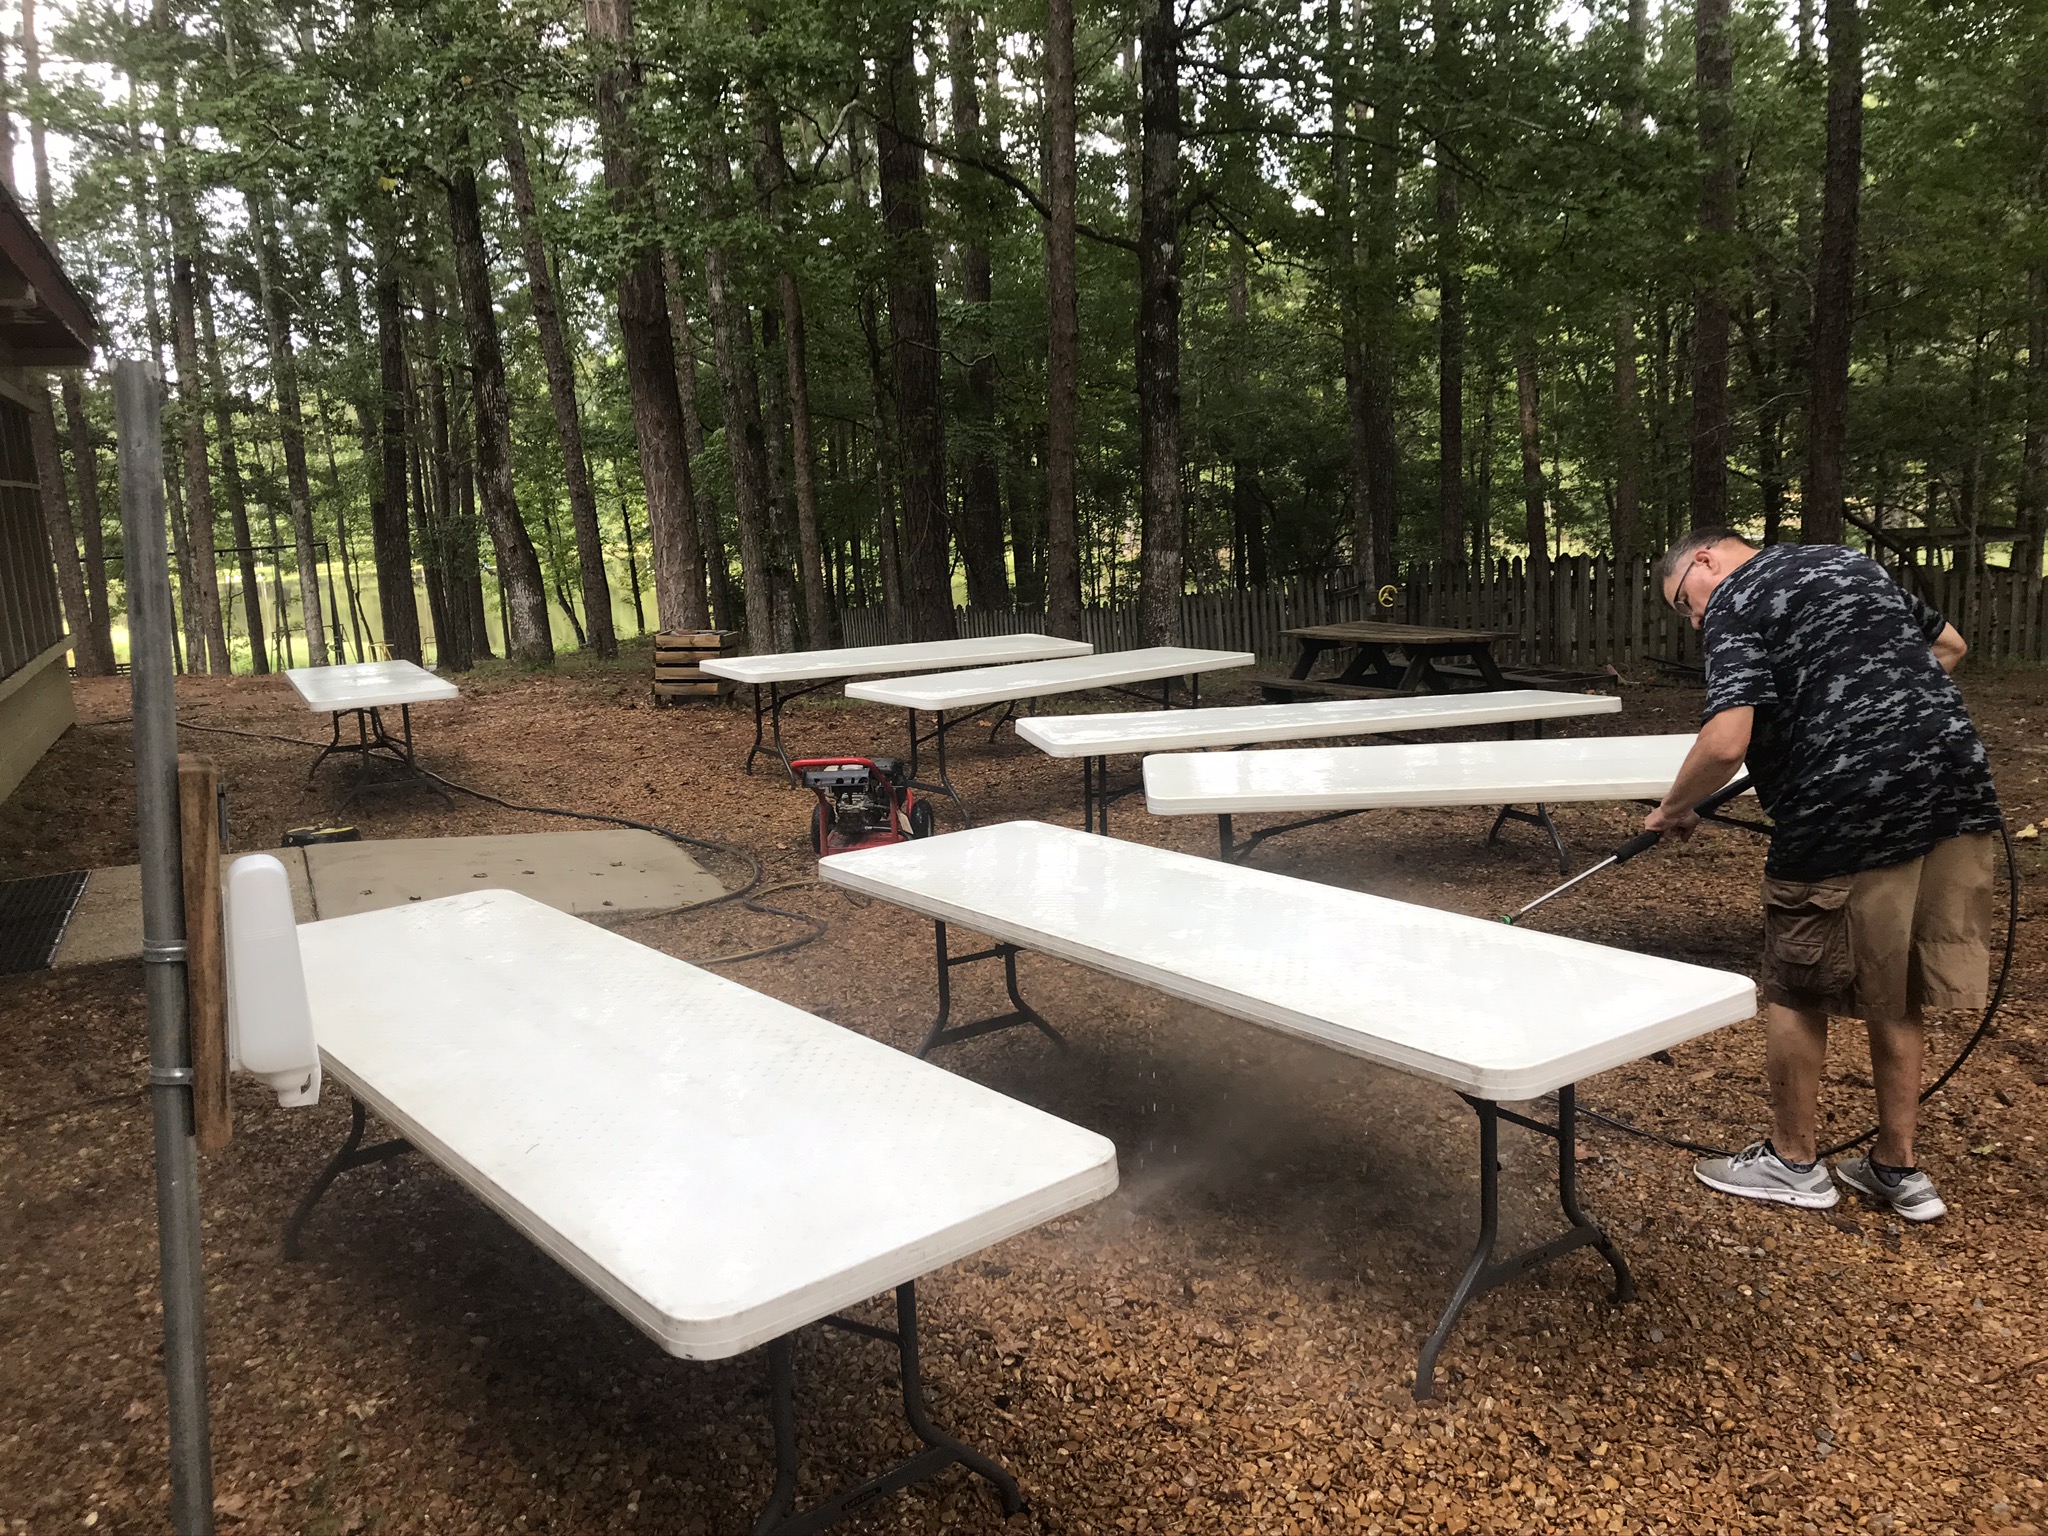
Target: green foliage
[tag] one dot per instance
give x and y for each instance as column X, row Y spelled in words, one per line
column 351, row 117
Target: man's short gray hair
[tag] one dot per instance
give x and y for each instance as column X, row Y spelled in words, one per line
column 1677, row 555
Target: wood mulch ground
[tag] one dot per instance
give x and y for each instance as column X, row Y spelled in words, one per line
column 1225, row 1345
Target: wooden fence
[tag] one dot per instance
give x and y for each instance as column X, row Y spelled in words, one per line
column 1585, row 613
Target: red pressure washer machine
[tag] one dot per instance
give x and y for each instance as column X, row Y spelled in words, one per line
column 862, row 802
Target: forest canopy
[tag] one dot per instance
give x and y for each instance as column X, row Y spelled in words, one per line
column 497, row 327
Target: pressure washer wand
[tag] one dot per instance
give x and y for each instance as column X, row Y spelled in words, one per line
column 1642, row 842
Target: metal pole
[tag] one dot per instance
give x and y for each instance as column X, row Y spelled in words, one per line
column 138, row 424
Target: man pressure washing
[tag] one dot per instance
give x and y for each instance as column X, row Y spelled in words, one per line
column 1832, row 684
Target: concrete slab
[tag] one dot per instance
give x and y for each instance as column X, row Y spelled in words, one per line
column 107, row 922
column 614, row 873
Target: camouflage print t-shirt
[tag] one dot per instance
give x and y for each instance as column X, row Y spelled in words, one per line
column 1863, row 753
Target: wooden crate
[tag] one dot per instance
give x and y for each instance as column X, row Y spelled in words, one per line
column 678, row 664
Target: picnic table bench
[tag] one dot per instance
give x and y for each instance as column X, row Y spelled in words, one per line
column 790, row 675
column 1495, row 1013
column 1096, row 738
column 1388, row 658
column 720, row 1167
column 365, row 689
column 1342, row 781
column 967, row 694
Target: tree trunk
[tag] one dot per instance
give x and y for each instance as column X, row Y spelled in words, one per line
column 454, row 648
column 519, row 575
column 1382, row 280
column 1450, row 371
column 2032, row 519
column 561, row 372
column 1627, row 532
column 205, row 595
column 739, row 390
column 914, row 342
column 86, row 468
column 429, row 539
column 390, row 528
column 1714, row 87
column 981, row 498
column 284, row 382
column 775, row 453
column 674, row 550
column 887, row 551
column 1063, row 340
column 771, row 186
column 1450, row 283
column 1161, row 579
column 1834, row 289
column 1342, row 216
column 1533, row 528
column 63, row 535
column 231, row 475
column 92, row 644
column 710, row 535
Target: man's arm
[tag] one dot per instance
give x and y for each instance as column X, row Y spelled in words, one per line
column 1722, row 744
column 1950, row 648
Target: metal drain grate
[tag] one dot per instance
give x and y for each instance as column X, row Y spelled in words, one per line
column 33, row 913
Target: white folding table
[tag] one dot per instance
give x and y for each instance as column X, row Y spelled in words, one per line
column 1097, row 738
column 721, row 1167
column 967, row 694
column 1339, row 781
column 802, row 672
column 1491, row 1011
column 365, row 689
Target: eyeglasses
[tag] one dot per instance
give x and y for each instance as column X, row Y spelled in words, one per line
column 1678, row 603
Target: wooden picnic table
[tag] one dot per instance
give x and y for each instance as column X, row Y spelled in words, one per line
column 1375, row 664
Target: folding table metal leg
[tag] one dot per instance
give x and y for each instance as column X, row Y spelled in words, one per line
column 333, row 744
column 942, row 1450
column 1008, row 712
column 759, row 717
column 943, row 785
column 945, row 1032
column 353, row 1154
column 1540, row 817
column 1483, row 1272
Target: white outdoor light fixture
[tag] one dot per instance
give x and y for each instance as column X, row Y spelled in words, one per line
column 270, row 1023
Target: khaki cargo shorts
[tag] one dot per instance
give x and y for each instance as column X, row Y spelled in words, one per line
column 1885, row 944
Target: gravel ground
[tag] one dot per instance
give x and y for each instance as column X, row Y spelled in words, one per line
column 1226, row 1345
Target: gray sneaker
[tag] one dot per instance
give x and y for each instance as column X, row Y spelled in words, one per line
column 1913, row 1198
column 1758, row 1173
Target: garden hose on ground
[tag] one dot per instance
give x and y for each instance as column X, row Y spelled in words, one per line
column 2012, row 923
column 747, row 894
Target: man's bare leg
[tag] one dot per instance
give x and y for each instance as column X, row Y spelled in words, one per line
column 1796, row 1052
column 1897, row 1050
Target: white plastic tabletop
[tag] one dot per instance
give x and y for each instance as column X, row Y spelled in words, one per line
column 1497, row 1012
column 720, row 1166
column 1036, row 679
column 1414, row 774
column 1175, row 730
column 368, row 685
column 877, row 660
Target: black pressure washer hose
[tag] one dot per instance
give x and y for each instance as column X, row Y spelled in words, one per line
column 1642, row 842
column 747, row 894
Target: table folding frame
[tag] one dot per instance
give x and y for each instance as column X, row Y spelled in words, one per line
column 771, row 716
column 373, row 743
column 1484, row 1271
column 778, row 1516
column 1230, row 850
column 1191, row 684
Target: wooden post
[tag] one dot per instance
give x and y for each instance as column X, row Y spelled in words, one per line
column 206, row 972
